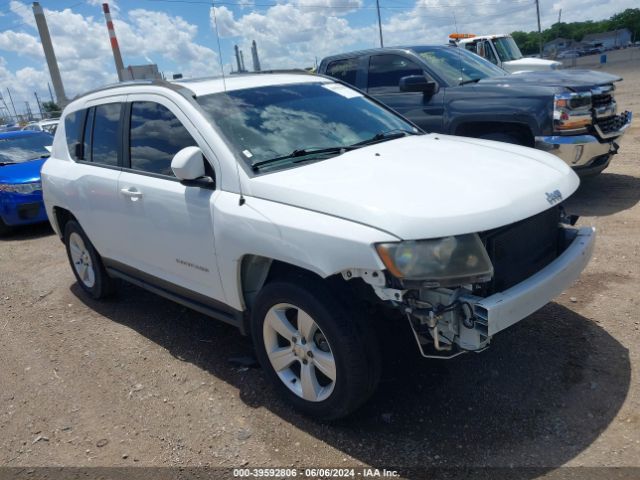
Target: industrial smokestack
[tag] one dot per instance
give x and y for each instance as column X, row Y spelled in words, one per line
column 242, row 61
column 237, row 50
column 49, row 54
column 114, row 41
column 254, row 56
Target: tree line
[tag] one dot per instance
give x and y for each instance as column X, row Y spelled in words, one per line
column 630, row 18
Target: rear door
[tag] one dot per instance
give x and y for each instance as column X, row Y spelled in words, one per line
column 383, row 79
column 98, row 157
column 167, row 227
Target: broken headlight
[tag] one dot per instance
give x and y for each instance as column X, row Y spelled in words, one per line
column 448, row 261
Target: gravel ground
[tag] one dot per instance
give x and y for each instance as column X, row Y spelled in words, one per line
column 141, row 381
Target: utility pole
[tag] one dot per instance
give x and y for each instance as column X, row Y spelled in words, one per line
column 39, row 105
column 28, row 111
column 12, row 104
column 380, row 22
column 4, row 105
column 49, row 54
column 50, row 94
column 117, row 57
column 539, row 28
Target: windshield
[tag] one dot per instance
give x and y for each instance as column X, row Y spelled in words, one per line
column 507, row 49
column 24, row 147
column 456, row 65
column 284, row 121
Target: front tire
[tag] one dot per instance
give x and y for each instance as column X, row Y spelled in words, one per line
column 86, row 263
column 4, row 228
column 313, row 349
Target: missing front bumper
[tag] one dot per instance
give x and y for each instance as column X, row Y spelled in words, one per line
column 490, row 315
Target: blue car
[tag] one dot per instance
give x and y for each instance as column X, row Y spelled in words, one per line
column 22, row 155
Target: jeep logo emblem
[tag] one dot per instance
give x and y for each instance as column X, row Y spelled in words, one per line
column 554, row 197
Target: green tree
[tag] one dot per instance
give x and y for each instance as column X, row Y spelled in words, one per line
column 630, row 18
column 50, row 107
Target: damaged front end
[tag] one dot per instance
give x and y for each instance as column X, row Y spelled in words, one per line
column 531, row 262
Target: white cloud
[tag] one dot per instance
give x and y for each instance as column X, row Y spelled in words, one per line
column 84, row 54
column 291, row 36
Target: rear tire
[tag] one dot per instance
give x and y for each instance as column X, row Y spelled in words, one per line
column 86, row 263
column 314, row 350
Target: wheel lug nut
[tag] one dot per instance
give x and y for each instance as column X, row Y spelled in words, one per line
column 294, row 339
column 305, row 361
column 310, row 354
column 304, row 341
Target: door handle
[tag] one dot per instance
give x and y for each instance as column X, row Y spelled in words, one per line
column 131, row 192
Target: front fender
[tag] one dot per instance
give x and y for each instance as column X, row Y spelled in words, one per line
column 320, row 243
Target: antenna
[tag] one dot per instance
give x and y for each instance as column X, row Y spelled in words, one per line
column 215, row 22
column 241, row 200
column 455, row 22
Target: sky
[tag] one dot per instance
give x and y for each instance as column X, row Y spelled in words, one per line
column 180, row 35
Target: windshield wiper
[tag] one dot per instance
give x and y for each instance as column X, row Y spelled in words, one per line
column 2, row 164
column 302, row 152
column 382, row 136
column 472, row 80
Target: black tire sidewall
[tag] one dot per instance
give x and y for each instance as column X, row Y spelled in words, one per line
column 353, row 373
column 102, row 285
column 4, row 228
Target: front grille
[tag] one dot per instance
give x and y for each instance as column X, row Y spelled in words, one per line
column 521, row 249
column 612, row 124
column 603, row 100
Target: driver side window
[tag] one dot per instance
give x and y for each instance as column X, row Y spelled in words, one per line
column 488, row 52
column 385, row 72
column 155, row 136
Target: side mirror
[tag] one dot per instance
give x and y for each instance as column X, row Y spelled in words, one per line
column 188, row 164
column 418, row 83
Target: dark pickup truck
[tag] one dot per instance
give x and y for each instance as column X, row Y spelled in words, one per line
column 570, row 113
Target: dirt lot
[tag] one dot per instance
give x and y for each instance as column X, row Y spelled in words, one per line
column 142, row 381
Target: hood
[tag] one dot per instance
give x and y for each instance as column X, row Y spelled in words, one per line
column 573, row 79
column 24, row 172
column 425, row 186
column 529, row 64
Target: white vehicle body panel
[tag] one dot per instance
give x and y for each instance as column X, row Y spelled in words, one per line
column 317, row 242
column 524, row 64
column 529, row 65
column 456, row 185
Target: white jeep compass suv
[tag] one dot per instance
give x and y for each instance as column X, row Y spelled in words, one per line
column 289, row 205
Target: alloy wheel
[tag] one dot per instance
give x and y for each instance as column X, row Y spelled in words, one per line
column 299, row 352
column 81, row 260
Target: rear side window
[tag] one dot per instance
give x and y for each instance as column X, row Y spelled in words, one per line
column 385, row 72
column 344, row 70
column 106, row 134
column 73, row 129
column 156, row 136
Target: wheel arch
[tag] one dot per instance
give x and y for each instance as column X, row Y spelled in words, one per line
column 61, row 216
column 522, row 131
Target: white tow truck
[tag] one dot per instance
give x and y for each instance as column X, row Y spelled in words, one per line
column 502, row 50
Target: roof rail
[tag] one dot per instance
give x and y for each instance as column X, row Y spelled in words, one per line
column 130, row 83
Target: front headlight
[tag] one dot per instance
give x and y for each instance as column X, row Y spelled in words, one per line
column 447, row 261
column 572, row 111
column 24, row 188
